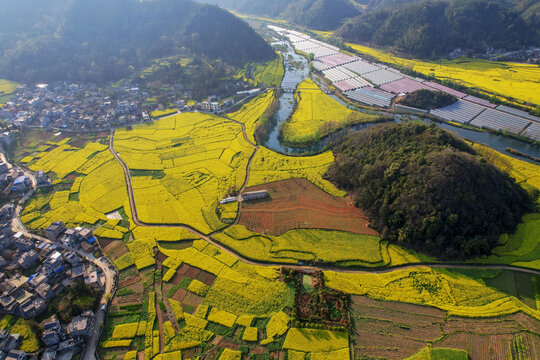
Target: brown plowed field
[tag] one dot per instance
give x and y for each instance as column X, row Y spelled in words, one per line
column 396, row 330
column 297, row 203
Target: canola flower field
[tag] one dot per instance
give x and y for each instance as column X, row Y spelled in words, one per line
column 520, row 82
column 180, row 167
column 318, row 115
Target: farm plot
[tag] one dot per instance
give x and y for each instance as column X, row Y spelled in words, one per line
column 404, row 86
column 268, row 166
column 250, row 113
column 520, row 248
column 7, row 88
column 500, row 121
column 182, row 166
column 458, row 294
column 371, row 96
column 461, row 112
column 317, row 115
column 88, row 184
column 533, row 131
column 297, row 204
column 392, row 330
column 270, row 73
column 307, row 245
column 508, row 80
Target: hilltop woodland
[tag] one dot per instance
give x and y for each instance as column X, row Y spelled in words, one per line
column 424, row 188
column 435, row 28
column 313, row 14
column 104, row 40
column 427, row 99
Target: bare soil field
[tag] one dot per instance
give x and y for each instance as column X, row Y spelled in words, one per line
column 396, row 330
column 183, row 296
column 297, row 203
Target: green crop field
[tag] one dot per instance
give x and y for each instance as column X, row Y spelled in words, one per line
column 180, row 167
column 318, row 115
column 269, row 73
column 7, row 88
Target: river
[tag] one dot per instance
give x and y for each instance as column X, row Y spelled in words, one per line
column 297, row 69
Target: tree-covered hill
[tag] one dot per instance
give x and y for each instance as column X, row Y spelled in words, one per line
column 427, row 99
column 424, row 188
column 434, row 28
column 99, row 40
column 314, row 14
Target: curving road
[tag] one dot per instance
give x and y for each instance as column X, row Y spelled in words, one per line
column 348, row 269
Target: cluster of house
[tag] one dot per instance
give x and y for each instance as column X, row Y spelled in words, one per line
column 9, row 344
column 8, row 175
column 73, row 106
column 59, row 339
column 530, row 54
column 34, row 272
column 214, row 105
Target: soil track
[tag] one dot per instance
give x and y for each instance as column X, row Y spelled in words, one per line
column 297, row 203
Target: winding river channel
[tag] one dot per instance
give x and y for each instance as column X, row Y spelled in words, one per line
column 297, row 69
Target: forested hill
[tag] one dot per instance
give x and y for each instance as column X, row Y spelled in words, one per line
column 314, row 14
column 434, row 28
column 101, row 40
column 424, row 188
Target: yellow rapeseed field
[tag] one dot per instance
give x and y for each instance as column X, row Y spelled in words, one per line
column 508, row 80
column 269, row 166
column 182, row 166
column 317, row 115
column 457, row 294
column 250, row 113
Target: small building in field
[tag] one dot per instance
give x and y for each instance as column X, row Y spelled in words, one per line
column 254, row 195
column 228, row 200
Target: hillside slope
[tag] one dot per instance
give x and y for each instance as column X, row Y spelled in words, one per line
column 103, row 40
column 314, row 14
column 423, row 187
column 434, row 28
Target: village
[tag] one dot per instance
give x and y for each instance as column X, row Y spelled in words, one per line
column 37, row 274
column 87, row 107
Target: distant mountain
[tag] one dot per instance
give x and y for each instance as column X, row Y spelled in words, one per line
column 101, row 40
column 433, row 28
column 320, row 14
column 314, row 14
